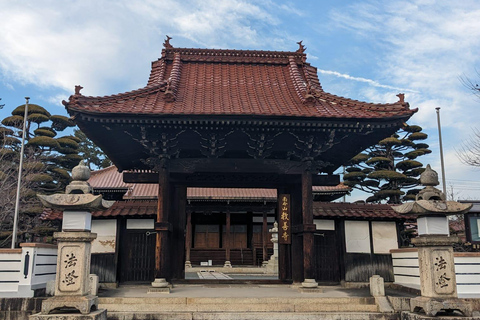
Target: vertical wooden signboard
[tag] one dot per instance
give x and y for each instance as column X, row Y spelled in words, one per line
column 284, row 227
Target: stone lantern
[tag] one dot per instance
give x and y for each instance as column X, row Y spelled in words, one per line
column 74, row 249
column 272, row 264
column 435, row 252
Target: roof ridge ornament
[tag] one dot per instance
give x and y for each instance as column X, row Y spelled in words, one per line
column 167, row 44
column 301, row 47
column 401, row 97
column 77, row 90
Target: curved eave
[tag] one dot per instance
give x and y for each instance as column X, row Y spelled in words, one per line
column 154, row 117
column 327, row 106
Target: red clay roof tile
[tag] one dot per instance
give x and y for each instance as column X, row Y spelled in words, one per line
column 234, row 82
column 110, row 178
column 355, row 210
column 320, row 210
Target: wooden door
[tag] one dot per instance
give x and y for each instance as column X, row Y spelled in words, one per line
column 327, row 259
column 137, row 256
column 206, row 236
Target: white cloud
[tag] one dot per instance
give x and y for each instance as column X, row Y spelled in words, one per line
column 425, row 46
column 360, row 79
column 104, row 45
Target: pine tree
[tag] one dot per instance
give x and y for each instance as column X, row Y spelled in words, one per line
column 390, row 168
column 90, row 152
column 47, row 162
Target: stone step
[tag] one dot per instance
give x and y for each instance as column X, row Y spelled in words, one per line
column 235, row 300
column 251, row 316
column 239, row 308
column 192, row 305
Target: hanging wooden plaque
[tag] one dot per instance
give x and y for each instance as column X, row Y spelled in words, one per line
column 284, row 225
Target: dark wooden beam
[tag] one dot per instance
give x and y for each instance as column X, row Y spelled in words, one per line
column 239, row 180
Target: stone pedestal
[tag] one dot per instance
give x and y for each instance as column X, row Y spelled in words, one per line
column 310, row 284
column 72, row 289
column 227, row 264
column 432, row 306
column 437, row 277
column 94, row 315
column 159, row 285
column 437, row 268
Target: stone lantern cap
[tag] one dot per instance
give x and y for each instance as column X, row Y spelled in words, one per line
column 430, row 200
column 78, row 194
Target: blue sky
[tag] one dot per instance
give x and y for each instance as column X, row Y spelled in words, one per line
column 365, row 50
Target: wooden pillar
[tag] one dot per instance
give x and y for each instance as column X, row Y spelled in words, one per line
column 188, row 240
column 308, row 230
column 285, row 258
column 177, row 219
column 265, row 237
column 163, row 228
column 296, row 248
column 250, row 230
column 228, row 264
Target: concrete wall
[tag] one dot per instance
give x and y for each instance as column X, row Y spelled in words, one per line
column 19, row 308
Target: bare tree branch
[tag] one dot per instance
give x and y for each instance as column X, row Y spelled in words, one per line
column 469, row 151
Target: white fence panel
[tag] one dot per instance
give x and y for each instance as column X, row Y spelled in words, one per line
column 24, row 270
column 10, row 268
column 467, row 270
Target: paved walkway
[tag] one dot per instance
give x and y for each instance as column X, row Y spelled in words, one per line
column 212, row 275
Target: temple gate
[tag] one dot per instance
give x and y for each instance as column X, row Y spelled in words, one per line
column 233, row 118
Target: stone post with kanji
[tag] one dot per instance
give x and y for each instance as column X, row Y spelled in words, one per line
column 72, row 289
column 435, row 252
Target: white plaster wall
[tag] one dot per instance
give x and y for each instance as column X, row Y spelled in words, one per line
column 324, row 224
column 106, row 231
column 357, row 236
column 140, row 224
column 384, row 235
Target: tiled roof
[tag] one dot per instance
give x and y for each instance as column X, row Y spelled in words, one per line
column 119, row 208
column 234, row 82
column 110, row 178
column 320, row 209
column 355, row 210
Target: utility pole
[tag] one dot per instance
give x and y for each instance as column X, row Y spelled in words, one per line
column 444, row 183
column 20, row 169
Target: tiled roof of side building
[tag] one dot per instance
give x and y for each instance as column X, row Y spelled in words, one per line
column 110, row 178
column 219, row 82
column 320, row 210
column 356, row 210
